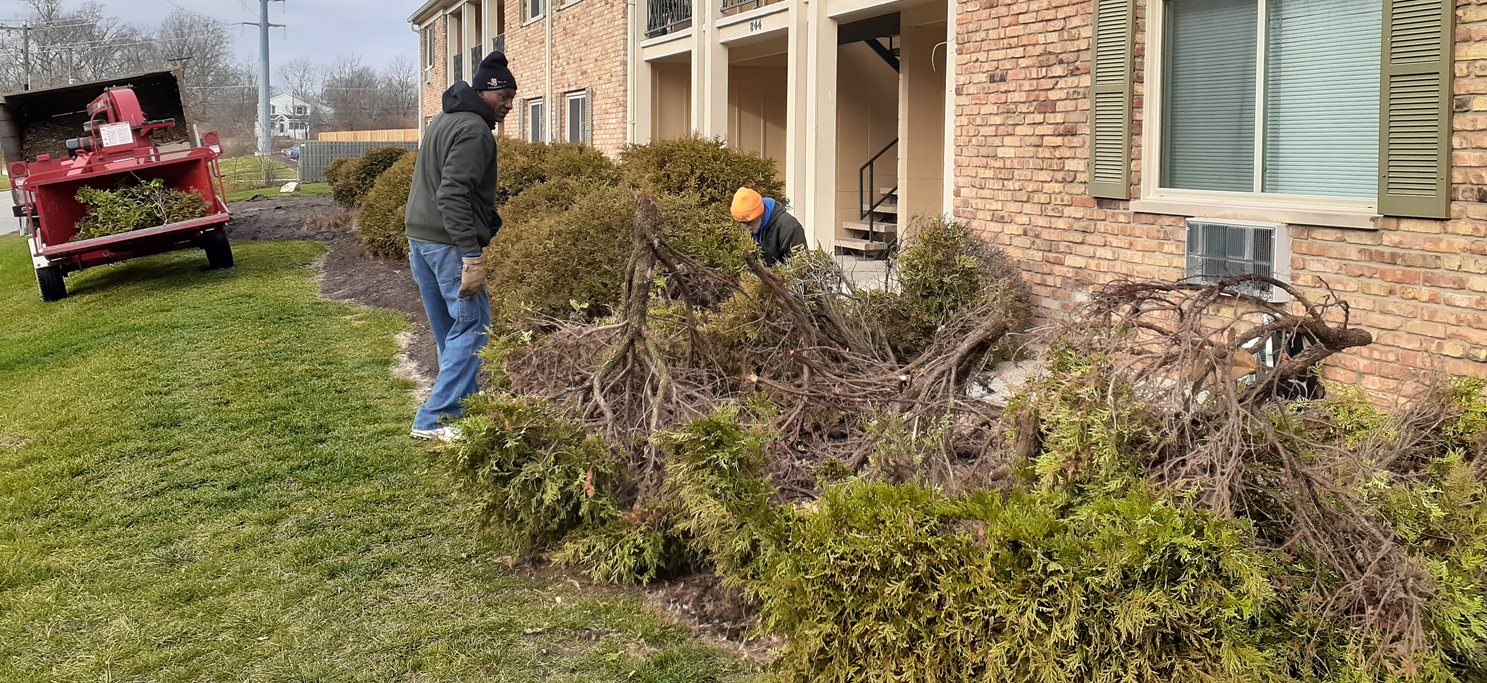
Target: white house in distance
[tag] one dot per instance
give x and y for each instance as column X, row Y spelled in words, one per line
column 290, row 116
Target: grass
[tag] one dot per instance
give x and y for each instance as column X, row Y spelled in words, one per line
column 305, row 190
column 206, row 476
column 251, row 173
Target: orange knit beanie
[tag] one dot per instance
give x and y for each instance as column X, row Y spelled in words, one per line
column 747, row 205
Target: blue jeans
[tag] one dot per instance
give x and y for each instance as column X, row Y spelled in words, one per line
column 461, row 328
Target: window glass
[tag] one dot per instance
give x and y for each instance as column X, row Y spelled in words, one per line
column 1322, row 97
column 576, row 105
column 535, row 119
column 1210, row 59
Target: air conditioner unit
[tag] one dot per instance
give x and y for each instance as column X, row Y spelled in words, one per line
column 1220, row 249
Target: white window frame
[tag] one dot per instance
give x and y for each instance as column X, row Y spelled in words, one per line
column 1341, row 212
column 529, row 118
column 526, row 10
column 568, row 114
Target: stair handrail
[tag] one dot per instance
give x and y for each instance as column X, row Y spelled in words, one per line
column 863, row 198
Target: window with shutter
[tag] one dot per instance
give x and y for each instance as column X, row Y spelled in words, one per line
column 1317, row 105
column 577, row 118
column 1110, row 98
column 1414, row 141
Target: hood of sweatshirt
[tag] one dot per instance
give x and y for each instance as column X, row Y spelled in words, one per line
column 461, row 97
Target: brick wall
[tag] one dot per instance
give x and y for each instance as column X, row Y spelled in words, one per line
column 432, row 83
column 1022, row 135
column 589, row 53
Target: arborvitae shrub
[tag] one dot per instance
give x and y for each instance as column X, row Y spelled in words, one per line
column 554, row 259
column 135, row 207
column 899, row 583
column 944, row 269
column 533, row 474
column 639, row 548
column 338, row 176
column 361, row 177
column 379, row 227
column 521, row 164
column 699, row 166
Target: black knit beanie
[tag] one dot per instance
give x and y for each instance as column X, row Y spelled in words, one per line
column 493, row 74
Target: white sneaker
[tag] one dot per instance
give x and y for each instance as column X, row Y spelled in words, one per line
column 439, row 434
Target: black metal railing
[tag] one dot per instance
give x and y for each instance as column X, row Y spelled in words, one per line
column 459, row 69
column 736, row 6
column 868, row 190
column 668, row 16
column 498, row 43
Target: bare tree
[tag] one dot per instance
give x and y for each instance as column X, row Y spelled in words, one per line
column 202, row 47
column 398, row 94
column 350, row 93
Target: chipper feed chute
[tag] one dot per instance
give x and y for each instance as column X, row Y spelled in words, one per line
column 119, row 147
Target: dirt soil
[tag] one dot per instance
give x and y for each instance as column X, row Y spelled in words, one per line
column 348, row 274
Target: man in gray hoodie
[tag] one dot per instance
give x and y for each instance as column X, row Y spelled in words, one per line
column 451, row 217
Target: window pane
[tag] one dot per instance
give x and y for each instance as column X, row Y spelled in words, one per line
column 1322, row 97
column 1209, row 141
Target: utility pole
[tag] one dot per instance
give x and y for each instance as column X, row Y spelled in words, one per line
column 25, row 29
column 265, row 124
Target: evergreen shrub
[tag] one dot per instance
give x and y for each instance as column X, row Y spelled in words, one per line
column 338, row 176
column 533, row 475
column 521, row 165
column 379, row 226
column 361, row 177
column 135, row 207
column 702, row 167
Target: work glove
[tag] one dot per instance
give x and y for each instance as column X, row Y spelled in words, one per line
column 472, row 276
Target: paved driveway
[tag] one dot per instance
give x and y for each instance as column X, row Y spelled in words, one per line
column 8, row 222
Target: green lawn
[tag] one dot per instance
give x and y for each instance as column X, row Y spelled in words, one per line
column 240, row 174
column 306, row 189
column 206, row 476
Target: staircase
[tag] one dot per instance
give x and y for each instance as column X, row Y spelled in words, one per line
column 876, row 230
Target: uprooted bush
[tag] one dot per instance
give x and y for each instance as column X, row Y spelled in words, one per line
column 351, row 180
column 138, row 206
column 379, row 225
column 1145, row 509
column 568, row 213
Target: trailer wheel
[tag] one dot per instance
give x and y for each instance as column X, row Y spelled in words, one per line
column 53, row 287
column 219, row 251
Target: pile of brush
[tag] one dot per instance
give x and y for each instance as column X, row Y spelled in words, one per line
column 1170, row 497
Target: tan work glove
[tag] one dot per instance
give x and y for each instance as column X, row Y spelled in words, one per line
column 472, row 277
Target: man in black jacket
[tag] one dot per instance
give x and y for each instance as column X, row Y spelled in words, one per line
column 451, row 217
column 776, row 232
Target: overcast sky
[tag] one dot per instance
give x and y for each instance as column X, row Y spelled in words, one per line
column 376, row 30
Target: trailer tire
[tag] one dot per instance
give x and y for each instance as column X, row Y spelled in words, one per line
column 53, row 287
column 219, row 251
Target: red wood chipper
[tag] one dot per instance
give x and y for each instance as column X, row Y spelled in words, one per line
column 98, row 135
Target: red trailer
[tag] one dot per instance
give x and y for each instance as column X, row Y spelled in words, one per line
column 116, row 144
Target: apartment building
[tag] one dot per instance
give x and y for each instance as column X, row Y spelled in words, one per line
column 1337, row 144
column 568, row 57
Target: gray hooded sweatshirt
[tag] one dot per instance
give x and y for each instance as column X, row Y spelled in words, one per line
column 453, row 198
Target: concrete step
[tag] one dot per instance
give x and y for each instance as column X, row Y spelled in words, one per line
column 885, row 207
column 880, row 230
column 858, row 245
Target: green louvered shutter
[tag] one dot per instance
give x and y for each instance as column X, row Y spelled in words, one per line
column 1112, row 51
column 1415, row 109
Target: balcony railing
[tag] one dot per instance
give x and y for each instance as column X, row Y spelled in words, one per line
column 498, row 43
column 737, row 6
column 668, row 16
